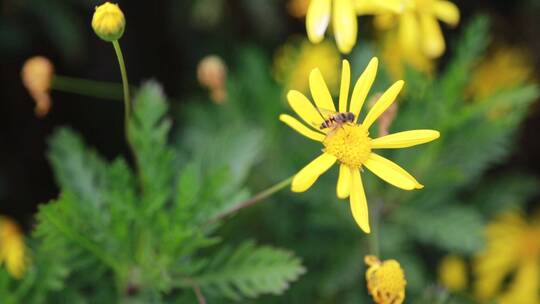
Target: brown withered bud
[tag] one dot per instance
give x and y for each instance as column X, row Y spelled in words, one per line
column 212, row 74
column 37, row 75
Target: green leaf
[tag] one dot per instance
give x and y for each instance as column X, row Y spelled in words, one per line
column 77, row 169
column 453, row 228
column 148, row 133
column 250, row 271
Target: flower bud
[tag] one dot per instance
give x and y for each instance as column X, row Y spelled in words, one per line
column 108, row 22
column 37, row 74
column 212, row 74
column 12, row 248
column 385, row 280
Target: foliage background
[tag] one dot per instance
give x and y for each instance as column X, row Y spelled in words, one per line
column 165, row 40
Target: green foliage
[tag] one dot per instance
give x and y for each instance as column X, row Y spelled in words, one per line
column 147, row 236
column 249, row 271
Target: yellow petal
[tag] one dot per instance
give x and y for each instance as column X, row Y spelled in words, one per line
column 377, row 7
column 432, row 37
column 383, row 103
column 306, row 177
column 359, row 206
column 345, row 25
column 362, row 86
column 344, row 182
column 345, row 83
column 391, row 172
column 404, row 139
column 317, row 19
column 304, row 108
column 301, row 128
column 447, row 12
column 409, row 33
column 319, row 91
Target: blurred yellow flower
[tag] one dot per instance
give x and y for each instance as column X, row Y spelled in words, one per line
column 108, row 22
column 294, row 61
column 385, row 280
column 505, row 68
column 349, row 143
column 417, row 25
column 453, row 273
column 37, row 76
column 512, row 248
column 12, row 248
column 395, row 58
column 344, row 21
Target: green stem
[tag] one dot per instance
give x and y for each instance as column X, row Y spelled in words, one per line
column 99, row 89
column 125, row 83
column 373, row 238
column 253, row 200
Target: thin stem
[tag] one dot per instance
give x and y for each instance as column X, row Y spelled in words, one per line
column 373, row 238
column 93, row 88
column 125, row 83
column 253, row 200
column 199, row 294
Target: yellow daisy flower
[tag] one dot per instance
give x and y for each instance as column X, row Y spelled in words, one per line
column 295, row 60
column 487, row 78
column 385, row 280
column 350, row 144
column 453, row 273
column 418, row 28
column 12, row 248
column 512, row 247
column 343, row 18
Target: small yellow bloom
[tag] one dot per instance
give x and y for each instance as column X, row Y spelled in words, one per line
column 350, row 144
column 385, row 280
column 12, row 248
column 487, row 78
column 108, row 22
column 295, row 60
column 417, row 25
column 37, row 75
column 453, row 273
column 344, row 20
column 395, row 57
column 512, row 248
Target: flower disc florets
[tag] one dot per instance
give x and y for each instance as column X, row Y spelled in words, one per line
column 349, row 143
column 385, row 280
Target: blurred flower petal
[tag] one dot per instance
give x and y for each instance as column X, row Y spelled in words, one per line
column 317, row 19
column 345, row 25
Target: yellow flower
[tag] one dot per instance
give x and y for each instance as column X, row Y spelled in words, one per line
column 350, row 144
column 453, row 273
column 417, row 25
column 12, row 248
column 487, row 78
column 395, row 58
column 385, row 280
column 295, row 60
column 108, row 22
column 343, row 18
column 512, row 248
column 37, row 75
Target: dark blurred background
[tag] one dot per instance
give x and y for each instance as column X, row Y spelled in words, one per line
column 164, row 40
